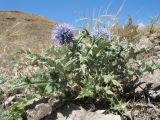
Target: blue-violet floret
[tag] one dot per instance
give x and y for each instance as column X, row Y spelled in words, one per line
column 100, row 32
column 62, row 34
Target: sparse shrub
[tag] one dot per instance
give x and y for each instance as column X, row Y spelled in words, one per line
column 96, row 69
column 128, row 32
column 154, row 22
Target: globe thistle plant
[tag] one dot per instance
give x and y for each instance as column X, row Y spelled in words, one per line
column 62, row 34
column 100, row 32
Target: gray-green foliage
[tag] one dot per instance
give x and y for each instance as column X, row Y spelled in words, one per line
column 89, row 67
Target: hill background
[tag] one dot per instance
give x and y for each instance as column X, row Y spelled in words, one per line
column 22, row 31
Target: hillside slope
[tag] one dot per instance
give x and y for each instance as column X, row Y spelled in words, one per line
column 19, row 30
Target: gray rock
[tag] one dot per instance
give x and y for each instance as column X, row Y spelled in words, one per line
column 39, row 112
column 86, row 115
column 74, row 112
column 154, row 94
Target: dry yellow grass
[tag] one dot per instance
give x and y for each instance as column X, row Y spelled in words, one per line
column 19, row 30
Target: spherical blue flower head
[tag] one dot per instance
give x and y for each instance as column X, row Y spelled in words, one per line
column 101, row 32
column 62, row 34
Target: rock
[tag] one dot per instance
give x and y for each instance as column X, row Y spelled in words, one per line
column 86, row 115
column 155, row 38
column 100, row 111
column 151, row 78
column 37, row 109
column 74, row 112
column 144, row 42
column 40, row 111
column 154, row 92
column 97, row 116
column 155, row 86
